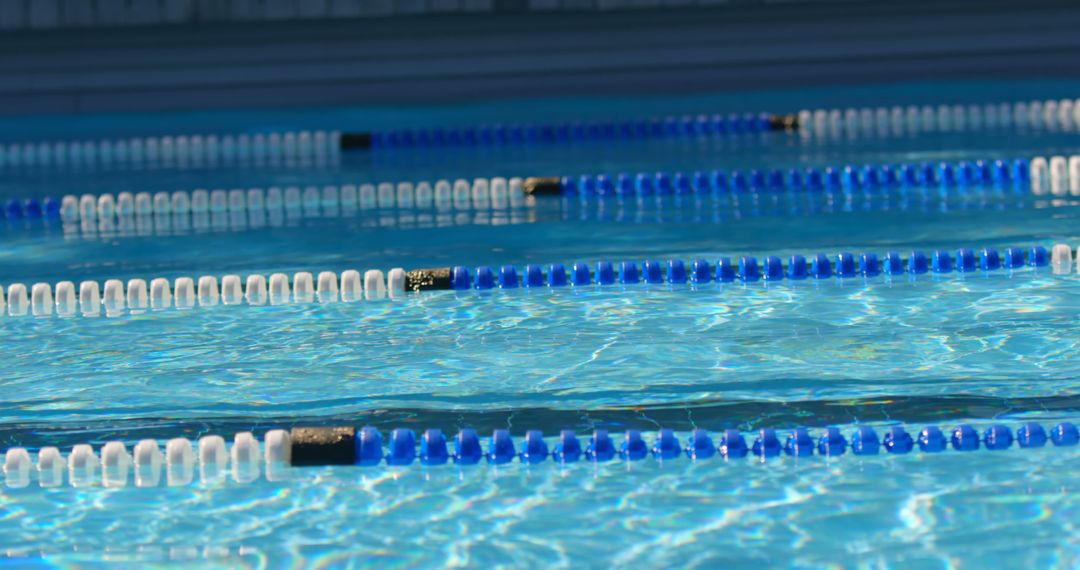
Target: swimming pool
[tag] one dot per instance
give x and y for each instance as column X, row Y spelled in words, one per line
column 719, row 356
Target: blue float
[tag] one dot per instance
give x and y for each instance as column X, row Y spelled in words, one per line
column 52, row 207
column 865, row 441
column 965, row 438
column 433, row 449
column 942, row 262
column 1031, row 435
column 931, row 440
column 1013, row 258
column 633, row 447
column 766, row 444
column 508, row 278
column 797, row 269
column 820, row 268
column 501, row 447
column 568, row 449
column 32, row 209
column 845, row 265
column 534, row 276
column 600, row 448
column 989, row 260
column 535, row 449
column 580, row 275
column 917, row 263
column 700, row 272
column 832, row 443
column 700, row 445
column 897, row 440
column 1038, row 257
column 676, row 271
column 748, row 269
column 402, row 449
column 556, row 276
column 369, row 449
column 732, row 444
column 1064, row 434
column 965, row 260
column 654, row 272
column 467, row 450
column 605, row 273
column 725, row 271
column 666, row 445
column 997, row 437
column 894, row 264
column 459, row 278
column 773, row 269
column 799, row 443
column 868, row 265
column 485, row 279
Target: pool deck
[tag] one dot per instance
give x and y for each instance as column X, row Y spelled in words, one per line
column 470, row 57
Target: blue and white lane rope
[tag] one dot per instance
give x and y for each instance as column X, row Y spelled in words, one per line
column 211, row 458
column 350, row 286
column 300, row 146
column 1056, row 175
column 182, row 150
column 520, row 209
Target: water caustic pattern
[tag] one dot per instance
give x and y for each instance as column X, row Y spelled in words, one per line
column 1002, row 336
column 915, row 511
column 630, row 229
column 988, row 348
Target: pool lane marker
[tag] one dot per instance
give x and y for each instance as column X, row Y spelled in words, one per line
column 1063, row 114
column 321, row 145
column 348, row 286
column 745, row 269
column 1050, row 114
column 112, row 465
column 179, row 150
column 701, row 125
column 187, row 293
column 442, row 195
column 1056, row 175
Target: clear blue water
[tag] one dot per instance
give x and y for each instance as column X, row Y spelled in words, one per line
column 980, row 348
column 1014, row 509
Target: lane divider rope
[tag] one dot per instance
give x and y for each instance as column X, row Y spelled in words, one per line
column 674, row 209
column 745, row 269
column 186, row 293
column 460, row 194
column 179, row 150
column 657, row 209
column 148, row 466
column 351, row 286
column 702, row 125
column 1063, row 114
column 1050, row 114
column 1057, row 175
column 197, row 149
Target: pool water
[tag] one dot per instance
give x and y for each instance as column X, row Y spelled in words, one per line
column 980, row 348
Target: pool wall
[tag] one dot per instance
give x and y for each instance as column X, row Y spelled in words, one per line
column 443, row 58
